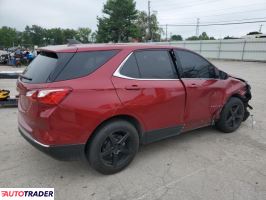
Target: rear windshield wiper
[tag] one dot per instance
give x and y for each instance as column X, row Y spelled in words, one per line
column 25, row 77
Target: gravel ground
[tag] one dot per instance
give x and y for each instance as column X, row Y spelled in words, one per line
column 201, row 164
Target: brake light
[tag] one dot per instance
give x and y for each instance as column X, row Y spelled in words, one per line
column 32, row 95
column 48, row 96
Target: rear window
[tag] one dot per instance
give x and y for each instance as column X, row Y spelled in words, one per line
column 43, row 65
column 84, row 63
column 50, row 66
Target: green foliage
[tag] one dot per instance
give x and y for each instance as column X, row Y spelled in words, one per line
column 193, row 38
column 36, row 35
column 121, row 23
column 142, row 24
column 83, row 35
column 176, row 38
column 203, row 36
column 118, row 22
column 230, row 37
column 9, row 36
column 254, row 33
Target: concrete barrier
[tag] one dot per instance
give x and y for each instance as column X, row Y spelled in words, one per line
column 236, row 49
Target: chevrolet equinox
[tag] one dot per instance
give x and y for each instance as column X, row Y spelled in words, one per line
column 102, row 101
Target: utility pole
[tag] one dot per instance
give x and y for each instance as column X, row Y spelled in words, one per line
column 260, row 29
column 149, row 19
column 197, row 27
column 166, row 36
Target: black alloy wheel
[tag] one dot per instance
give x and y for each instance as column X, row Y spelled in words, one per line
column 113, row 146
column 116, row 148
column 231, row 116
column 235, row 116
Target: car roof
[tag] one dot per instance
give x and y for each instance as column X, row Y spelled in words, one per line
column 98, row 47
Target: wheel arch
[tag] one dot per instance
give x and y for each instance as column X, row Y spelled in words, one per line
column 216, row 116
column 135, row 122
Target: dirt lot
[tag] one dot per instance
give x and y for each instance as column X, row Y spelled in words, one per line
column 202, row 164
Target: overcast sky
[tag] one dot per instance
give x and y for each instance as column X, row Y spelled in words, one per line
column 83, row 13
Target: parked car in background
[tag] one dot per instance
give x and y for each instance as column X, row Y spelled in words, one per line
column 103, row 101
column 4, row 58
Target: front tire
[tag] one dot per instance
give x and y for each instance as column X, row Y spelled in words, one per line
column 231, row 116
column 113, row 147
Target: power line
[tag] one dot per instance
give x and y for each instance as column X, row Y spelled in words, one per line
column 174, row 3
column 235, row 20
column 239, row 20
column 222, row 14
column 166, row 7
column 217, row 24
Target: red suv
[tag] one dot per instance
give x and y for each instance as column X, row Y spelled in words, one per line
column 102, row 101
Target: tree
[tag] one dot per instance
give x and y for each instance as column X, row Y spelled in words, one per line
column 69, row 34
column 193, row 38
column 117, row 24
column 37, row 34
column 176, row 38
column 254, row 33
column 83, row 35
column 142, row 24
column 230, row 37
column 26, row 37
column 203, row 36
column 55, row 36
column 8, row 36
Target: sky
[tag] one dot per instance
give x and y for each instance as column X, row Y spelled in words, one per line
column 83, row 13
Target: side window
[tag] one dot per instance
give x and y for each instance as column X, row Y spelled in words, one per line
column 193, row 66
column 130, row 68
column 85, row 63
column 155, row 64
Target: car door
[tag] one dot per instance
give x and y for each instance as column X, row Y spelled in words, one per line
column 203, row 88
column 149, row 88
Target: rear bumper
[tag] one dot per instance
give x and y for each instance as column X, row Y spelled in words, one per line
column 59, row 152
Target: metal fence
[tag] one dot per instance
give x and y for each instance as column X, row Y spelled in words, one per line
column 236, row 49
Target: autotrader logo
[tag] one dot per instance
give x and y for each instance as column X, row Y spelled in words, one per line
column 27, row 193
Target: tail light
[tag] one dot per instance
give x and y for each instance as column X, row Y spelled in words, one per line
column 48, row 96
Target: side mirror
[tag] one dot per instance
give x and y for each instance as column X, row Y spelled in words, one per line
column 223, row 75
column 214, row 72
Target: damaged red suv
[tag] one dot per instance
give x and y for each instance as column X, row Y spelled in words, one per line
column 102, row 101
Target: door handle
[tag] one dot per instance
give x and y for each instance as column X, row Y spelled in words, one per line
column 192, row 85
column 132, row 87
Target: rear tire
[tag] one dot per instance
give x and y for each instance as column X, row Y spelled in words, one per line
column 113, row 147
column 231, row 116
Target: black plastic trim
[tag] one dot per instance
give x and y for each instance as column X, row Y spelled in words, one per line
column 160, row 134
column 59, row 152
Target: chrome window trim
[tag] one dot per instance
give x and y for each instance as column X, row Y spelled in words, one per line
column 119, row 75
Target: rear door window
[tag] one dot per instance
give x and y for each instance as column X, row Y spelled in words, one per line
column 84, row 63
column 155, row 64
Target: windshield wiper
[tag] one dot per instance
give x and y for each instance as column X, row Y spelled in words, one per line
column 25, row 77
